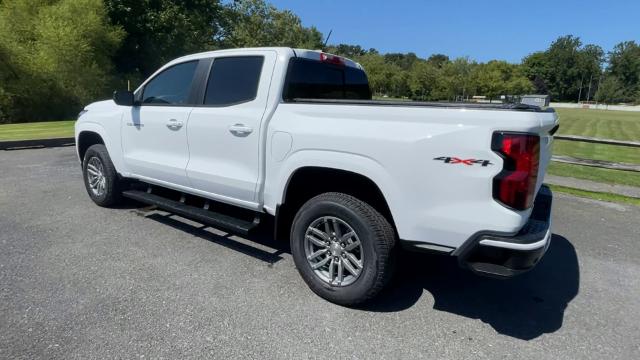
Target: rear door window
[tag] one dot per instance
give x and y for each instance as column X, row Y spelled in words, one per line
column 233, row 80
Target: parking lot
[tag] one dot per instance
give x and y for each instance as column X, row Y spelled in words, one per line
column 80, row 281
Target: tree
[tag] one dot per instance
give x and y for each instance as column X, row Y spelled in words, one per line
column 624, row 66
column 257, row 23
column 348, row 51
column 403, row 61
column 454, row 80
column 489, row 79
column 591, row 58
column 438, row 60
column 610, row 91
column 537, row 68
column 517, row 82
column 422, row 80
column 58, row 57
column 497, row 78
column 7, row 74
column 160, row 30
column 379, row 73
column 565, row 67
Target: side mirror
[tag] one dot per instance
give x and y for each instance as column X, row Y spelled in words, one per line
column 123, row 98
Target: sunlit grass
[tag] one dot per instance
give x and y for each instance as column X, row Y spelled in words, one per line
column 597, row 195
column 37, row 130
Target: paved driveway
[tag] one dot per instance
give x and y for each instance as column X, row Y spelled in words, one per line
column 79, row 281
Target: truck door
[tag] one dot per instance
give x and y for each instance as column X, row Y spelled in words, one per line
column 154, row 133
column 224, row 132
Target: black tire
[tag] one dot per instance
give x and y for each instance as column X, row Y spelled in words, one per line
column 376, row 236
column 112, row 193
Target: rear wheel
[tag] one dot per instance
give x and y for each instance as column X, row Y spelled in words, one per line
column 100, row 177
column 343, row 248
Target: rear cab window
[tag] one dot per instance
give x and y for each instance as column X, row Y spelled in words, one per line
column 312, row 79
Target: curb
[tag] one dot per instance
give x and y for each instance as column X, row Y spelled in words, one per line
column 37, row 143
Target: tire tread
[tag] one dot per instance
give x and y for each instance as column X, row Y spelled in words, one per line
column 381, row 229
column 114, row 183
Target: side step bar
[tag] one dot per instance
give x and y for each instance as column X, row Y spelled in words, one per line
column 208, row 217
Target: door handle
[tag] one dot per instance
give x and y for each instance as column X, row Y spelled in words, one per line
column 240, row 130
column 174, row 124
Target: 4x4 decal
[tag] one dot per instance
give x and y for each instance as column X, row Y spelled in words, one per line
column 455, row 160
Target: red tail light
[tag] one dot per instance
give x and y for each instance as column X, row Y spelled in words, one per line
column 515, row 185
column 331, row 59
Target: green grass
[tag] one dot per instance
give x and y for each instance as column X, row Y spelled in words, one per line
column 37, row 130
column 583, row 150
column 595, row 174
column 607, row 124
column 597, row 195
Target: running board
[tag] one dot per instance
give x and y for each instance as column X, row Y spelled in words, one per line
column 208, row 217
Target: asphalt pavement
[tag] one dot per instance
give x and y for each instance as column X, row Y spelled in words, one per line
column 80, row 281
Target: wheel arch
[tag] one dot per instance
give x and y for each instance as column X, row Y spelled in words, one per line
column 90, row 132
column 86, row 139
column 308, row 181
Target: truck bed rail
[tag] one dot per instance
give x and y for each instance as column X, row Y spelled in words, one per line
column 435, row 104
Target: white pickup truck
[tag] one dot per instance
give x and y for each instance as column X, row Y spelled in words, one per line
column 232, row 138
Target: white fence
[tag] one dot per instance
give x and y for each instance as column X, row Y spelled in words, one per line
column 594, row 106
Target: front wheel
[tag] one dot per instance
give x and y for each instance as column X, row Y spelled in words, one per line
column 100, row 177
column 343, row 248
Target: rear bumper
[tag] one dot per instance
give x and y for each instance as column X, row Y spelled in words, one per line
column 500, row 255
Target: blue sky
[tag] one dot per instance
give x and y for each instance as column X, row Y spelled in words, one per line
column 482, row 30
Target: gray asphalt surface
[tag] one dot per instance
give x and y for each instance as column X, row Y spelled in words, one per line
column 80, row 281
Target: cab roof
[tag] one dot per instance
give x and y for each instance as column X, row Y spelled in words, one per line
column 317, row 55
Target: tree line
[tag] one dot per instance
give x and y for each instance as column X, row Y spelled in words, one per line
column 58, row 55
column 568, row 71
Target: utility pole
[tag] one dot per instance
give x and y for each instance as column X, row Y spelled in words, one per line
column 589, row 92
column 580, row 92
column 599, row 81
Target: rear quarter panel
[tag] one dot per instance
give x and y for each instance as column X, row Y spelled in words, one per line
column 430, row 200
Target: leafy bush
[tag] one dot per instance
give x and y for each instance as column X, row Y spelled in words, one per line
column 56, row 57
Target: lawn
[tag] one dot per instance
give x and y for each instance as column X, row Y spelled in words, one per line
column 583, row 150
column 596, row 195
column 37, row 130
column 607, row 124
column 595, row 174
